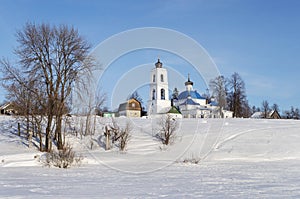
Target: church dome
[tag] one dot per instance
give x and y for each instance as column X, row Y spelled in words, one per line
column 158, row 64
column 189, row 82
column 193, row 94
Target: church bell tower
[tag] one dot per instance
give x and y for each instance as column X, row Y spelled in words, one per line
column 159, row 90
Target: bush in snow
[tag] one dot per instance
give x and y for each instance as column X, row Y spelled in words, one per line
column 167, row 129
column 116, row 135
column 63, row 158
column 124, row 136
column 192, row 160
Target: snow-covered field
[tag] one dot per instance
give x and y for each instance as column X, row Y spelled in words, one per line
column 239, row 158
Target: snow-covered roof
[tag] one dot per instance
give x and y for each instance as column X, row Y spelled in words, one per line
column 261, row 114
column 256, row 115
column 4, row 106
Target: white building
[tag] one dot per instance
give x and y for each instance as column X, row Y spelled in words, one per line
column 189, row 103
column 192, row 105
column 159, row 101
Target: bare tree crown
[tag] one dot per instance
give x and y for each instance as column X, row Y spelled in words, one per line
column 51, row 59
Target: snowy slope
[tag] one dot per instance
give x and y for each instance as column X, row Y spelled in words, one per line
column 239, row 158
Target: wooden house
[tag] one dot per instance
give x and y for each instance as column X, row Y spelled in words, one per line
column 271, row 115
column 274, row 115
column 131, row 108
column 7, row 109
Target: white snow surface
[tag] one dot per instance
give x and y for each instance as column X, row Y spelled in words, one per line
column 238, row 158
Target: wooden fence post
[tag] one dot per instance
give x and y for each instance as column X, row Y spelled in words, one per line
column 19, row 129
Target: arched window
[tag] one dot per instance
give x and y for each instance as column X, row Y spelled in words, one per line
column 153, row 94
column 162, row 78
column 162, row 93
column 153, row 78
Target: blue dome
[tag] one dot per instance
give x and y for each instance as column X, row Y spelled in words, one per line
column 193, row 94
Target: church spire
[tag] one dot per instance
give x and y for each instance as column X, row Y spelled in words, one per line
column 158, row 64
column 189, row 82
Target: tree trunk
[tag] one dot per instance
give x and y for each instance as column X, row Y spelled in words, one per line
column 48, row 134
column 27, row 125
column 30, row 139
column 88, row 125
column 58, row 132
column 107, row 135
column 19, row 129
column 41, row 140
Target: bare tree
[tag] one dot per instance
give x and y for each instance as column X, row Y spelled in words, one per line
column 219, row 91
column 246, row 109
column 287, row 114
column 265, row 109
column 237, row 96
column 175, row 94
column 124, row 136
column 88, row 121
column 275, row 107
column 294, row 113
column 114, row 134
column 167, row 127
column 253, row 109
column 135, row 95
column 28, row 99
column 55, row 56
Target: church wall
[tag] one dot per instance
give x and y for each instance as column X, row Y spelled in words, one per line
column 202, row 102
column 227, row 114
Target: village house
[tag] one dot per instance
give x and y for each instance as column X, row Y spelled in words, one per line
column 131, row 108
column 7, row 109
column 271, row 115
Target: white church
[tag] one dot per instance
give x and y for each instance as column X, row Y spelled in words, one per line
column 190, row 104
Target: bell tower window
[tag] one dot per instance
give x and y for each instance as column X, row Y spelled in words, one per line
column 153, row 94
column 162, row 78
column 162, row 94
column 153, row 78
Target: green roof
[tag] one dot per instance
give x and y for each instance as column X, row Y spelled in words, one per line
column 174, row 110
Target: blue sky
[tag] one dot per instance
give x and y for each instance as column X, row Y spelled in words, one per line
column 258, row 39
